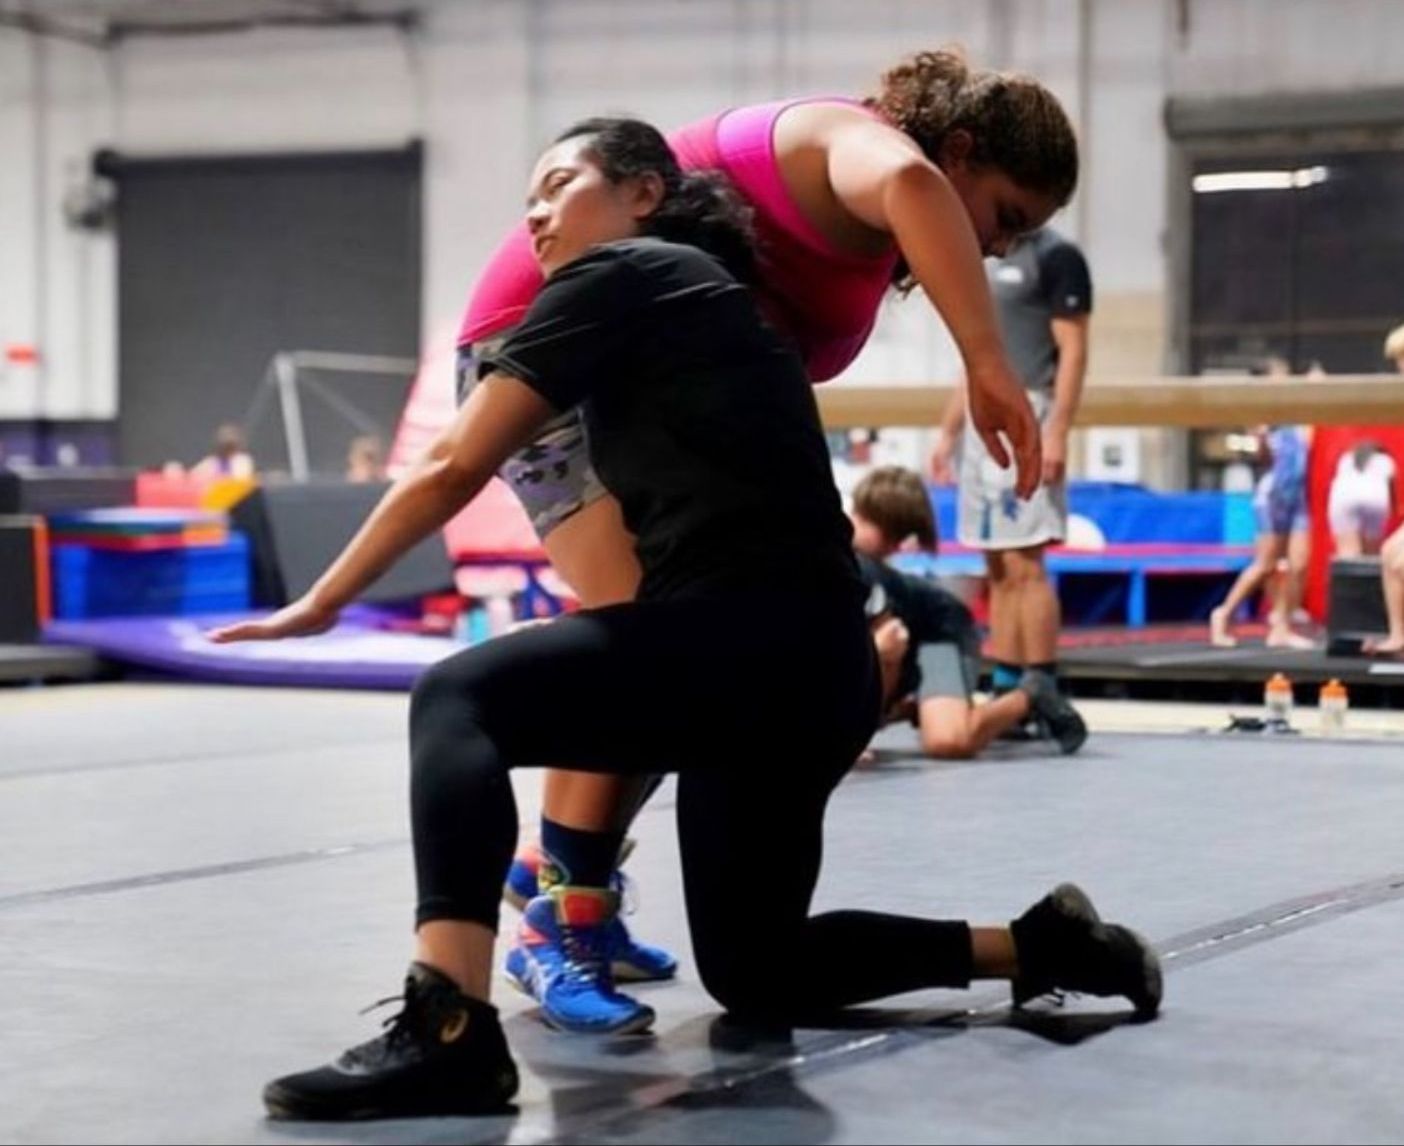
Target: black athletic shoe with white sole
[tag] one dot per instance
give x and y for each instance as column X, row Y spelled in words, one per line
column 1063, row 945
column 1060, row 720
column 443, row 1054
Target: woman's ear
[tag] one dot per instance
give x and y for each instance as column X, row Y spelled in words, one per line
column 648, row 193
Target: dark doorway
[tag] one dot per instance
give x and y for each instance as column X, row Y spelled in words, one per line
column 1299, row 255
column 226, row 261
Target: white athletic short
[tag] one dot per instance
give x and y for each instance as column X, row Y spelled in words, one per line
column 1360, row 501
column 991, row 515
column 1367, row 517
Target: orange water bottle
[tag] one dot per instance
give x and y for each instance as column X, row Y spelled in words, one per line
column 1333, row 703
column 1277, row 699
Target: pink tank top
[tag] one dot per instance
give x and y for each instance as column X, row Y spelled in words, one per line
column 824, row 299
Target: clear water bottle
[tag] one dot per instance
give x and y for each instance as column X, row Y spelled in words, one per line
column 1277, row 700
column 1332, row 704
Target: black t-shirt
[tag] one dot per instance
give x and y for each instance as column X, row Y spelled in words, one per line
column 700, row 420
column 932, row 615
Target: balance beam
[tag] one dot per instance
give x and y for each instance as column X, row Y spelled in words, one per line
column 1217, row 401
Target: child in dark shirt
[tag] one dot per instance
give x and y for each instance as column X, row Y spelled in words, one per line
column 928, row 643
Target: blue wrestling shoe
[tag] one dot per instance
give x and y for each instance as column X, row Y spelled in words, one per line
column 523, row 877
column 635, row 962
column 562, row 960
column 631, row 961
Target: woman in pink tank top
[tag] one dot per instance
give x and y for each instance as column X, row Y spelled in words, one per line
column 824, row 298
column 906, row 188
column 1003, row 143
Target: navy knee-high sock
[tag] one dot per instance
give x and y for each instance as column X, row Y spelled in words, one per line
column 578, row 858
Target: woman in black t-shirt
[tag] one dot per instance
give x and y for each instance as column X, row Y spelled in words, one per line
column 705, row 427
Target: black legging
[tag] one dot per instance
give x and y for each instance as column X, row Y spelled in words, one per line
column 759, row 703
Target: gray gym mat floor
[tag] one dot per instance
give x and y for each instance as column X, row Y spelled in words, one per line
column 200, row 886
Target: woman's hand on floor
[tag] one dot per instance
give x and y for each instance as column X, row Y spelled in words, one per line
column 303, row 618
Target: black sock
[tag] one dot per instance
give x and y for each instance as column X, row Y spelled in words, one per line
column 578, row 858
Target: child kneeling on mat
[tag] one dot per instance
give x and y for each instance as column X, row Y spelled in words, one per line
column 927, row 641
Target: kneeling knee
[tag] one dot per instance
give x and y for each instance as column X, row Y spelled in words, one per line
column 751, row 997
column 742, row 986
column 946, row 744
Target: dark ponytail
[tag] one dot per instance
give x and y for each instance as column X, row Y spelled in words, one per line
column 698, row 208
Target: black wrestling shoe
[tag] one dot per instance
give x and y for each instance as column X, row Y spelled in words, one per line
column 443, row 1054
column 1054, row 712
column 1063, row 945
column 1031, row 729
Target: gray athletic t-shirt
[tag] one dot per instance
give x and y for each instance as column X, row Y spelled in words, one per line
column 1043, row 278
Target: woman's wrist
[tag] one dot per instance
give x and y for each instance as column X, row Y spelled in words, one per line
column 323, row 598
column 990, row 375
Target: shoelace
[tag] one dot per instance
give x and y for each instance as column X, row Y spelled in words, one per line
column 399, row 1025
column 585, row 960
column 628, row 894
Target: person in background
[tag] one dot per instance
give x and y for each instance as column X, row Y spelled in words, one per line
column 927, row 641
column 365, row 459
column 1298, row 559
column 229, row 457
column 1392, row 584
column 1361, row 501
column 1283, row 533
column 1042, row 289
column 1392, row 551
column 1394, row 347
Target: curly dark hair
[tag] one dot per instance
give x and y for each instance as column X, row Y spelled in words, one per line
column 1016, row 124
column 699, row 208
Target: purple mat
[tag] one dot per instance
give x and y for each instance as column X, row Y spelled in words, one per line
column 358, row 653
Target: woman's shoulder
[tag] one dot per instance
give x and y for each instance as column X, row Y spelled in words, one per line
column 656, row 257
column 628, row 274
column 815, row 118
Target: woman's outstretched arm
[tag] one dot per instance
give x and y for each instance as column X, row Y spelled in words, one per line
column 501, row 415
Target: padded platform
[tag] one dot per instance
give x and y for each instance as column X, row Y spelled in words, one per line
column 359, row 653
column 1131, row 584
column 1183, row 654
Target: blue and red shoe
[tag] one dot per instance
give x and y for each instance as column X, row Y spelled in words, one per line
column 562, row 960
column 523, row 877
column 630, row 960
